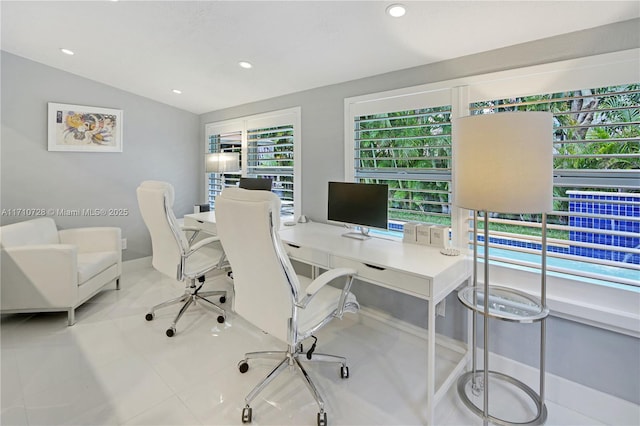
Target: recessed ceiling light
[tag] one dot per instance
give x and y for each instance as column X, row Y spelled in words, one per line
column 67, row 51
column 396, row 10
column 245, row 64
column 177, row 91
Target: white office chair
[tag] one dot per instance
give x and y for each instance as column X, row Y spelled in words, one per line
column 175, row 255
column 269, row 294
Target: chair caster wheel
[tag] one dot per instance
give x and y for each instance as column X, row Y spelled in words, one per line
column 243, row 366
column 149, row 316
column 344, row 372
column 171, row 332
column 322, row 419
column 246, row 415
column 223, row 299
column 220, row 319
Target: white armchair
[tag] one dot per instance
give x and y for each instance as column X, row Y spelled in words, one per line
column 44, row 269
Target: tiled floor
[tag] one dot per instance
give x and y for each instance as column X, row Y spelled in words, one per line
column 115, row 368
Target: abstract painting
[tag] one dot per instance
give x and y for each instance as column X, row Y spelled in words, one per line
column 84, row 128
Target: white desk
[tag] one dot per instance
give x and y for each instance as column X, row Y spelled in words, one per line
column 408, row 268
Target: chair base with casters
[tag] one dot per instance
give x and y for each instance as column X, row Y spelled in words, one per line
column 192, row 295
column 291, row 357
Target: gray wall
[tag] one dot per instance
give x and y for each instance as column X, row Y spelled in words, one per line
column 591, row 356
column 323, row 108
column 160, row 142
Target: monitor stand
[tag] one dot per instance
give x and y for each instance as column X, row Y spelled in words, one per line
column 362, row 234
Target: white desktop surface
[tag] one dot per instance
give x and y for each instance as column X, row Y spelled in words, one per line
column 413, row 269
column 441, row 273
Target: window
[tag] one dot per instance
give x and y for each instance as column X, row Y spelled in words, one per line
column 222, row 142
column 270, row 155
column 594, row 230
column 405, row 143
column 403, row 137
column 411, row 152
column 269, row 147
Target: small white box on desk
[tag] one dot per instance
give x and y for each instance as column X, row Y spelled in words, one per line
column 423, row 234
column 409, row 232
column 439, row 236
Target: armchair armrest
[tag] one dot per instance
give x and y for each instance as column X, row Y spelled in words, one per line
column 324, row 279
column 45, row 273
column 94, row 239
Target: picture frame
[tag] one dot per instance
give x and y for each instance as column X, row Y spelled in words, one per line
column 82, row 128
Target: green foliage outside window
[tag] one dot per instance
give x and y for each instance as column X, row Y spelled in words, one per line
column 594, row 130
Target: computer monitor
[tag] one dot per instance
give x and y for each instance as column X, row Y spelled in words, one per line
column 263, row 184
column 362, row 204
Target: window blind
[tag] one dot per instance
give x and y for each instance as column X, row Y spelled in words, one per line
column 270, row 154
column 223, row 142
column 594, row 229
column 410, row 151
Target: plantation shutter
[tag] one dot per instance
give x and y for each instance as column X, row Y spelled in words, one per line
column 594, row 229
column 270, row 154
column 410, row 151
column 223, row 142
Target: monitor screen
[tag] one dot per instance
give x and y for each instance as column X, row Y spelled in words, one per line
column 256, row 183
column 363, row 204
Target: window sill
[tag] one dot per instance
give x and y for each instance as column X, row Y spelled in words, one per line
column 614, row 308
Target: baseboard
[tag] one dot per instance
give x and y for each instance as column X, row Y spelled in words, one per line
column 598, row 405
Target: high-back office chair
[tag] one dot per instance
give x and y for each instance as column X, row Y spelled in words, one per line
column 269, row 294
column 176, row 256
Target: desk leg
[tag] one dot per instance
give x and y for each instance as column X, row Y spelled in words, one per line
column 431, row 361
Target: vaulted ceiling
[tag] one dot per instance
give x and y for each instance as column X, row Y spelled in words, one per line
column 152, row 47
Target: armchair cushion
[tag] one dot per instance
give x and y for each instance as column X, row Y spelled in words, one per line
column 91, row 264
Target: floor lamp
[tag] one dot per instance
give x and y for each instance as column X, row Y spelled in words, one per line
column 222, row 162
column 503, row 163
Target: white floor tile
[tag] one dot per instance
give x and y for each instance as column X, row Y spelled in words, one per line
column 170, row 412
column 115, row 368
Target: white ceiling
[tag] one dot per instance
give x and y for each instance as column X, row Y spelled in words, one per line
column 151, row 47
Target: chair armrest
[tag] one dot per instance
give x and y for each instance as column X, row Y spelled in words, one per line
column 190, row 228
column 48, row 270
column 201, row 243
column 324, row 279
column 193, row 229
column 92, row 239
column 194, row 248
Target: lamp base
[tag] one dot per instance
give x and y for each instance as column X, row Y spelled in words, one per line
column 466, row 382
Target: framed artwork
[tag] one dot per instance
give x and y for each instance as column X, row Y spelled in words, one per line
column 84, row 128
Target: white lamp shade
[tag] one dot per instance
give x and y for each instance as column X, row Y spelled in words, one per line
column 504, row 162
column 222, row 162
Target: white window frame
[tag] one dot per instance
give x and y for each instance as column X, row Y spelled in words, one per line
column 610, row 307
column 289, row 116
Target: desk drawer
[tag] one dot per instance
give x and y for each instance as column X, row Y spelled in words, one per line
column 307, row 255
column 390, row 278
